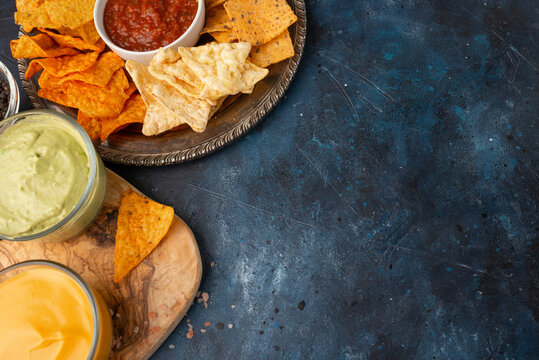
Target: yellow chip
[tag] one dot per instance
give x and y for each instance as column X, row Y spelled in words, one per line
column 259, row 21
column 70, row 13
column 87, row 32
column 91, row 125
column 217, row 20
column 276, row 50
column 224, row 36
column 63, row 65
column 210, row 4
column 73, row 42
column 134, row 112
column 142, row 224
column 39, row 46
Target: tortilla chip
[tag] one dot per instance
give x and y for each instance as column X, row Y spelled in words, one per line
column 272, row 52
column 222, row 66
column 87, row 32
column 167, row 66
column 98, row 101
column 224, row 36
column 167, row 107
column 94, row 101
column 36, row 18
column 259, row 21
column 217, row 19
column 134, row 112
column 131, row 89
column 73, row 42
column 142, row 224
column 28, row 5
column 55, row 95
column 63, row 65
column 92, row 125
column 210, row 4
column 70, row 13
column 39, row 46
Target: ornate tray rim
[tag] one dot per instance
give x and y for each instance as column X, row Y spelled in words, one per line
column 211, row 145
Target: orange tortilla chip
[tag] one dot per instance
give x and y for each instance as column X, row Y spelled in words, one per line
column 134, row 112
column 63, row 65
column 99, row 74
column 94, row 101
column 210, row 4
column 217, row 19
column 92, row 125
column 35, row 18
column 224, row 36
column 142, row 224
column 28, row 5
column 39, row 46
column 87, row 32
column 259, row 21
column 70, row 13
column 56, row 95
column 131, row 89
column 73, row 42
column 276, row 50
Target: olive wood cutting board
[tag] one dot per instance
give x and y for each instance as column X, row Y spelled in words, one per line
column 151, row 300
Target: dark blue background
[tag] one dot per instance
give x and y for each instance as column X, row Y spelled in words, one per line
column 393, row 190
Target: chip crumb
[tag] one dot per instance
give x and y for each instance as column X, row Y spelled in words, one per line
column 198, row 294
column 233, row 306
column 171, row 346
column 205, row 296
column 202, row 330
column 190, row 333
column 190, row 326
column 188, row 321
column 207, row 323
column 212, row 264
column 230, row 326
column 135, row 329
column 117, row 315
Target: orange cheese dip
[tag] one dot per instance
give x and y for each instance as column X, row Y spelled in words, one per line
column 44, row 315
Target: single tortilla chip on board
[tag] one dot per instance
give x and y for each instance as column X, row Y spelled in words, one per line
column 210, row 4
column 39, row 46
column 134, row 112
column 73, row 42
column 272, row 52
column 90, row 124
column 70, row 13
column 63, row 65
column 259, row 21
column 87, row 32
column 142, row 224
column 217, row 19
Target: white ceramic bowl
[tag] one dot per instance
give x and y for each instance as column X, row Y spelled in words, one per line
column 189, row 38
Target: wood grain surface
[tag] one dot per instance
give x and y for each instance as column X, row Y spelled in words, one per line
column 150, row 301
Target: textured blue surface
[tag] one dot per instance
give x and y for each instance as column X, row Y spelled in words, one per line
column 393, row 190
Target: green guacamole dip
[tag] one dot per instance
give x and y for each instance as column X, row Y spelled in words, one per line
column 44, row 169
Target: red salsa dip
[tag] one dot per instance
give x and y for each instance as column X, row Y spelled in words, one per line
column 145, row 25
